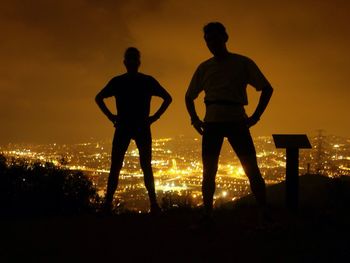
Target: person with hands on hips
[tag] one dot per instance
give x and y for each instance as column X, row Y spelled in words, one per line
column 224, row 79
column 133, row 92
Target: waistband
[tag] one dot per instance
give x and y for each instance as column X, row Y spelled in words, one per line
column 222, row 102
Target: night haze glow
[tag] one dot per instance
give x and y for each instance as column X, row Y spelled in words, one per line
column 56, row 55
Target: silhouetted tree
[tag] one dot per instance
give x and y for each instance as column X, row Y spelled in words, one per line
column 174, row 200
column 38, row 188
column 2, row 162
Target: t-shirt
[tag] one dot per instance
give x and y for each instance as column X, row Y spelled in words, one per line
column 225, row 82
column 133, row 95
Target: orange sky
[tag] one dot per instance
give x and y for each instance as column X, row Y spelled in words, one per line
column 56, row 55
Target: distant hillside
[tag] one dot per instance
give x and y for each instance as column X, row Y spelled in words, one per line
column 320, row 233
column 315, row 191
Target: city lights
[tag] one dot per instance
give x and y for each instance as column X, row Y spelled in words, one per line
column 177, row 166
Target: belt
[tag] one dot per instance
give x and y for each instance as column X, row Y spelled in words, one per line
column 221, row 102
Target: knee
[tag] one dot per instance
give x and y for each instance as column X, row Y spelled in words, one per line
column 253, row 174
column 256, row 179
column 208, row 179
column 210, row 169
column 250, row 164
column 116, row 166
column 146, row 165
column 252, row 171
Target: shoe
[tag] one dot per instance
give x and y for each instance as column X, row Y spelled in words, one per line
column 106, row 209
column 155, row 210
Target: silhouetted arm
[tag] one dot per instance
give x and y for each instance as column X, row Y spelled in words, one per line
column 166, row 102
column 265, row 96
column 101, row 104
column 195, row 121
column 195, row 87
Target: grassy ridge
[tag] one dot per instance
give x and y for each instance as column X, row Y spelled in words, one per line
column 319, row 232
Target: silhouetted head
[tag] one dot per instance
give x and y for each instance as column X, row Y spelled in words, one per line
column 216, row 37
column 132, row 59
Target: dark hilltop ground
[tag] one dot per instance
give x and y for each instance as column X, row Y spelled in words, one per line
column 318, row 232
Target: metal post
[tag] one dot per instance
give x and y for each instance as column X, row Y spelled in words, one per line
column 292, row 143
column 292, row 178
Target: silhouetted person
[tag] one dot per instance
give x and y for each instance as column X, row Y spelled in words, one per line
column 224, row 79
column 133, row 92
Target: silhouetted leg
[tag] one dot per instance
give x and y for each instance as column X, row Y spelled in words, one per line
column 144, row 144
column 211, row 145
column 242, row 143
column 257, row 183
column 120, row 145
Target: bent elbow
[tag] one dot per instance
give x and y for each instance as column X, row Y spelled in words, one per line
column 268, row 90
column 167, row 100
column 188, row 98
column 98, row 98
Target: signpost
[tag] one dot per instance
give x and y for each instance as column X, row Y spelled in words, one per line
column 292, row 143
